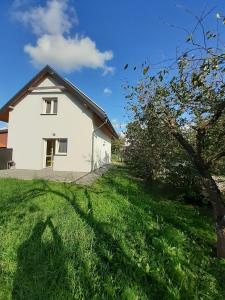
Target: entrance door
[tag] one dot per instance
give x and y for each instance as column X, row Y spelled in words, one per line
column 50, row 152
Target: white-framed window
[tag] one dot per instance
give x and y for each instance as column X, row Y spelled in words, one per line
column 61, row 146
column 50, row 106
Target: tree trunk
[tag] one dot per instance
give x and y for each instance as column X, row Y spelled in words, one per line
column 216, row 201
column 218, row 206
column 210, row 187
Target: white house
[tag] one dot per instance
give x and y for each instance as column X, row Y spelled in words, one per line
column 51, row 123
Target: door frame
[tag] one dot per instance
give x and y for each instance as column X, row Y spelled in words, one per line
column 45, row 152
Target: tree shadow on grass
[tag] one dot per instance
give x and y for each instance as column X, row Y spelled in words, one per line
column 16, row 203
column 41, row 266
column 115, row 269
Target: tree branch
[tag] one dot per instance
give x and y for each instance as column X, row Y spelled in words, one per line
column 185, row 144
column 218, row 113
column 172, row 124
column 197, row 160
column 216, row 157
column 200, row 137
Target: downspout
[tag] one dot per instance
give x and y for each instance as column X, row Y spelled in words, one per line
column 93, row 139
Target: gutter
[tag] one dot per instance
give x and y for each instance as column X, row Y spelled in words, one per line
column 93, row 139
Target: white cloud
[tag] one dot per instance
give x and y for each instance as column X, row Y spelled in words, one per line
column 67, row 54
column 54, row 18
column 107, row 91
column 122, row 135
column 118, row 125
column 55, row 45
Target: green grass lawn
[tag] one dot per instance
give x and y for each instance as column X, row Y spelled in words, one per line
column 113, row 240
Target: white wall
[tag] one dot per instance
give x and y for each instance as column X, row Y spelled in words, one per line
column 102, row 149
column 28, row 127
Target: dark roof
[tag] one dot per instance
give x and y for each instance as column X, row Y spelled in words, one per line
column 3, row 130
column 48, row 71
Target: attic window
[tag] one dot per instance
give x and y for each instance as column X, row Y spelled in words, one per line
column 50, row 106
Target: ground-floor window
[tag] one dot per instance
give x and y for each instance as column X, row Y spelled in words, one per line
column 61, row 146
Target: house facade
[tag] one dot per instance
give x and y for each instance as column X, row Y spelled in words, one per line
column 53, row 124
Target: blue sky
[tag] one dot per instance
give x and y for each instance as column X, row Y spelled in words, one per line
column 89, row 42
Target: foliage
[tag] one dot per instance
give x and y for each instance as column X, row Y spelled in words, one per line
column 219, row 168
column 177, row 114
column 189, row 106
column 113, row 240
column 145, row 148
column 189, row 102
column 118, row 148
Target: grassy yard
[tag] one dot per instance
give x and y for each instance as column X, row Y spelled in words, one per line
column 114, row 240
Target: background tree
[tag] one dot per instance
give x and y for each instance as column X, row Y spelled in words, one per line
column 118, row 148
column 187, row 100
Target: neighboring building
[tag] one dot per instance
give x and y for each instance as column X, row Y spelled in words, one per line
column 3, row 137
column 51, row 123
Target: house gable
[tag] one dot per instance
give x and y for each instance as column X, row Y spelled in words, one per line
column 49, row 81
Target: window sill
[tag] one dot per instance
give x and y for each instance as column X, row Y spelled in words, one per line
column 48, row 114
column 60, row 154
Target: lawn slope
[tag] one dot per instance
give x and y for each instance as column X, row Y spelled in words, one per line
column 113, row 240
